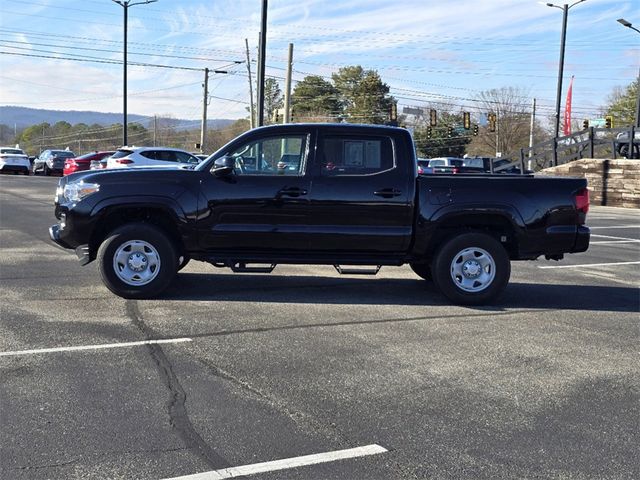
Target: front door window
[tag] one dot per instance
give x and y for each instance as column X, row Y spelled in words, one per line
column 281, row 155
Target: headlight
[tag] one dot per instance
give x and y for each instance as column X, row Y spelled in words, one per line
column 74, row 192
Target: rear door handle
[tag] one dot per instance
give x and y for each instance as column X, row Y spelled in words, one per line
column 291, row 192
column 388, row 193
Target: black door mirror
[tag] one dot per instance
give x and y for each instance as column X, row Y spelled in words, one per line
column 223, row 165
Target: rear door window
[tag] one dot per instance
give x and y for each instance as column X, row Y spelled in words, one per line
column 354, row 155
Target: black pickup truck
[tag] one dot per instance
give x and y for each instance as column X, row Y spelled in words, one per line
column 342, row 195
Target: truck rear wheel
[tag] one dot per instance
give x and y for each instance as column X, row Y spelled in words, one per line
column 471, row 269
column 137, row 260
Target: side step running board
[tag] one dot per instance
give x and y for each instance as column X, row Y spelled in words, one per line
column 357, row 271
column 241, row 267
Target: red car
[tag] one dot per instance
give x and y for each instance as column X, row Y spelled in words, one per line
column 78, row 164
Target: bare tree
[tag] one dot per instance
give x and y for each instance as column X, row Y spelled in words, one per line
column 512, row 109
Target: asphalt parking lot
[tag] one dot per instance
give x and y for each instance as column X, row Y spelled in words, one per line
column 305, row 374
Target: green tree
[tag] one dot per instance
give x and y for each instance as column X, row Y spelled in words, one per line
column 314, row 98
column 622, row 105
column 364, row 97
column 272, row 99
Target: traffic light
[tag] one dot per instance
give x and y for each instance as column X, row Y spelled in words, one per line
column 476, row 129
column 393, row 112
column 492, row 122
column 608, row 121
column 585, row 124
column 433, row 117
column 429, row 132
column 466, row 120
column 449, row 132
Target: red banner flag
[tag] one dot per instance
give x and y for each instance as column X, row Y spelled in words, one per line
column 567, row 110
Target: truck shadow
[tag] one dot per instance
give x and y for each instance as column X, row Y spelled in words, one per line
column 391, row 291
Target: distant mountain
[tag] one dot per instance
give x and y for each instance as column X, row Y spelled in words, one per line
column 23, row 117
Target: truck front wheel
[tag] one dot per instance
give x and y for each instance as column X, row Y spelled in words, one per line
column 471, row 269
column 137, row 260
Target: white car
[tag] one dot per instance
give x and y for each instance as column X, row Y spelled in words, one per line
column 128, row 157
column 14, row 160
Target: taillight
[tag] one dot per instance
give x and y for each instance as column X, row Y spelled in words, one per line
column 455, row 170
column 123, row 161
column 582, row 201
column 420, row 170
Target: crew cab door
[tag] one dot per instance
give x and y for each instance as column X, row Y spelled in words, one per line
column 363, row 191
column 262, row 205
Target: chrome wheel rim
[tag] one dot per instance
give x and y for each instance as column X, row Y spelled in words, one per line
column 473, row 269
column 136, row 262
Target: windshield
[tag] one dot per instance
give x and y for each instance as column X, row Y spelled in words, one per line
column 12, row 151
column 63, row 153
column 122, row 153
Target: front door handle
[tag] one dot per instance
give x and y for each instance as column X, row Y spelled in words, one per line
column 388, row 193
column 291, row 192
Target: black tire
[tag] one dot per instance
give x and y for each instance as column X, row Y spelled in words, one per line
column 471, row 269
column 624, row 151
column 183, row 260
column 423, row 270
column 127, row 257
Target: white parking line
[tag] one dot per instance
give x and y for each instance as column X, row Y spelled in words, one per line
column 617, row 238
column 93, row 347
column 614, row 226
column 614, row 241
column 285, row 464
column 589, row 265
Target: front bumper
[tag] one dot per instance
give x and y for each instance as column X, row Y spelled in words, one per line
column 82, row 251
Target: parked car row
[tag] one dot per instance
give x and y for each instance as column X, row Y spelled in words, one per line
column 65, row 162
column 467, row 165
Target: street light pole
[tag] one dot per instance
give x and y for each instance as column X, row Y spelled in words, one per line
column 630, row 25
column 565, row 13
column 125, row 4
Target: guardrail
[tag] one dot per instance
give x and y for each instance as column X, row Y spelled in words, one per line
column 590, row 143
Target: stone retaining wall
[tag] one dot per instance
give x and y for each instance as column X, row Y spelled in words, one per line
column 615, row 183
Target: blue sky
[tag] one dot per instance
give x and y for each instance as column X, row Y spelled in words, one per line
column 427, row 51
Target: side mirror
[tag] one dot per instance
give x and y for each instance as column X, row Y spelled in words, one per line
column 223, row 165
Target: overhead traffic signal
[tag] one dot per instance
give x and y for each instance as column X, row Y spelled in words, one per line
column 466, row 120
column 393, row 112
column 585, row 124
column 433, row 117
column 492, row 122
column 608, row 121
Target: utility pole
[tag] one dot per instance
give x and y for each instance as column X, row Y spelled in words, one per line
column 205, row 101
column 498, row 151
column 251, row 107
column 533, row 121
column 287, row 89
column 155, row 130
column 261, row 64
